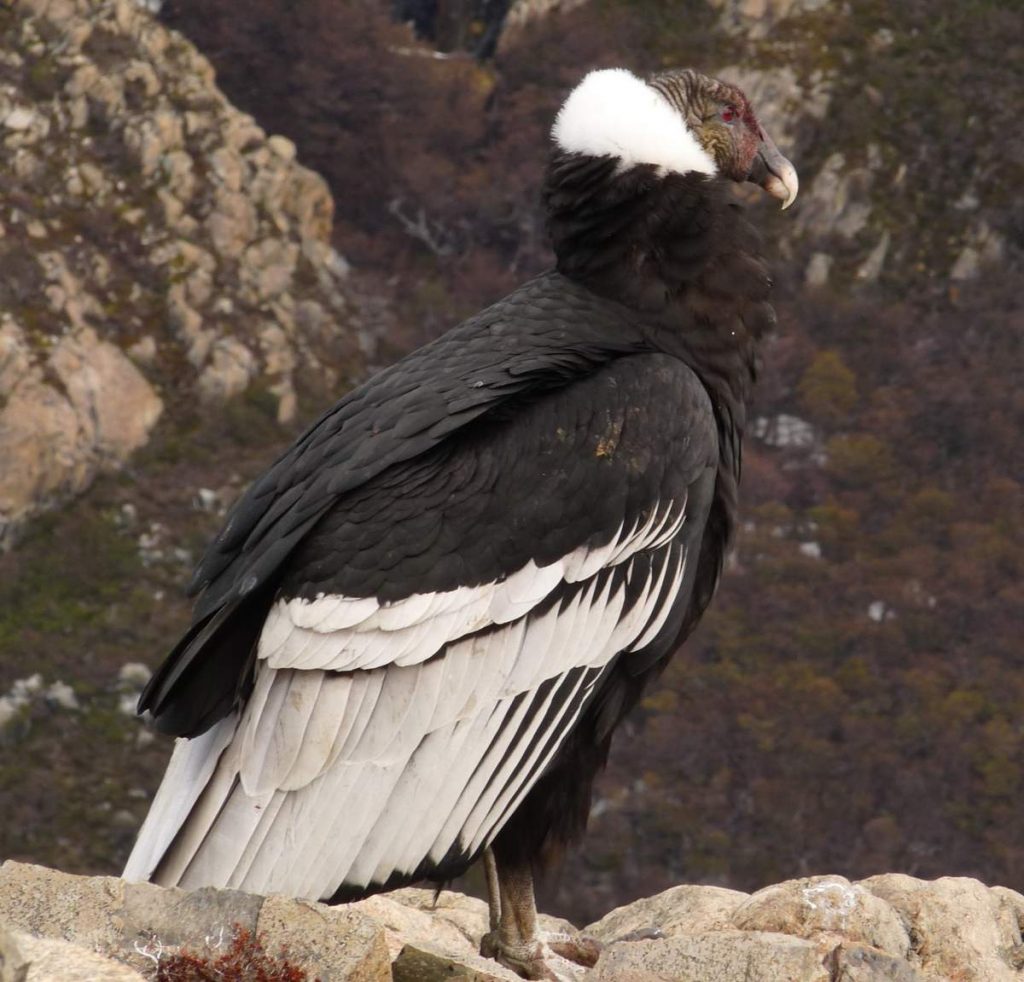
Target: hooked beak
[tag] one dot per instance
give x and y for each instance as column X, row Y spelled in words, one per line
column 774, row 173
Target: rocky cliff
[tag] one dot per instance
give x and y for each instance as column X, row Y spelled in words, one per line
column 158, row 248
column 890, row 928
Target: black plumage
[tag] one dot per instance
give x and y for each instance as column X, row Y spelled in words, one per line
column 540, row 500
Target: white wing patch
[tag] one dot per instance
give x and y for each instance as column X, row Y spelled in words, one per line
column 350, row 776
column 342, row 634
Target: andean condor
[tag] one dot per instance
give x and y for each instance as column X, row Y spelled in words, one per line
column 419, row 628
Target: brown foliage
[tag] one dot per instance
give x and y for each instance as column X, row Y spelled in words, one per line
column 244, row 961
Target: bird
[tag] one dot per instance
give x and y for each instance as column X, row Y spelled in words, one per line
column 417, row 631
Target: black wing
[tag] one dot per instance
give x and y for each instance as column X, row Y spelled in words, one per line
column 436, row 638
column 542, row 336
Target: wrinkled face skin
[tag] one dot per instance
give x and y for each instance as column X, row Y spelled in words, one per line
column 721, row 118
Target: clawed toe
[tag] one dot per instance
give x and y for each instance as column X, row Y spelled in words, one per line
column 514, row 939
column 578, row 948
column 538, row 961
column 553, row 957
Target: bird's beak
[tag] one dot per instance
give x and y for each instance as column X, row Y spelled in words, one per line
column 774, row 173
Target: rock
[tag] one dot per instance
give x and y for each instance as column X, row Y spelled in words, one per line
column 714, row 956
column 57, row 905
column 872, row 267
column 678, row 910
column 114, row 403
column 139, row 924
column 19, row 119
column 26, row 958
column 15, row 356
column 835, row 200
column 229, row 373
column 425, row 963
column 282, row 146
column 61, row 694
column 13, row 963
column 523, row 12
column 228, row 167
column 823, row 906
column 859, row 963
column 984, row 247
column 143, row 351
column 269, row 268
column 890, row 928
column 45, row 457
column 21, row 694
column 429, row 937
column 232, row 224
column 784, row 431
column 133, row 674
column 755, row 18
column 818, row 270
column 334, row 942
column 961, row 929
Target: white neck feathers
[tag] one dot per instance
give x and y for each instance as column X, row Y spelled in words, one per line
column 614, row 113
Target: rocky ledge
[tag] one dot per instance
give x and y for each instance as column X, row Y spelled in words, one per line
column 889, row 928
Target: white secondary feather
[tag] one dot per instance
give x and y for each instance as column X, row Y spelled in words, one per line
column 583, row 563
column 517, row 784
column 191, row 766
column 614, row 113
column 300, row 633
column 664, row 601
column 352, row 776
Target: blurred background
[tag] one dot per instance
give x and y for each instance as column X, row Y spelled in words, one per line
column 216, row 218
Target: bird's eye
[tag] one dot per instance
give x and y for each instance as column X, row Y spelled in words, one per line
column 729, row 114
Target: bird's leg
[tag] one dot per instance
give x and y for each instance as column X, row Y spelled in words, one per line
column 517, row 943
column 493, row 891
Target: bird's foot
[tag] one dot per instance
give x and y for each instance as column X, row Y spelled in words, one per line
column 551, row 957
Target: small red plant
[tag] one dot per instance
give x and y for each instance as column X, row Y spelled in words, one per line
column 246, row 960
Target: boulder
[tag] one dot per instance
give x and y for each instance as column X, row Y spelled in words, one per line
column 712, row 956
column 960, row 928
column 679, row 910
column 825, row 908
column 139, row 924
column 890, row 928
column 27, row 958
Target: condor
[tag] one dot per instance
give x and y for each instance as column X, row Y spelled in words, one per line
column 418, row 630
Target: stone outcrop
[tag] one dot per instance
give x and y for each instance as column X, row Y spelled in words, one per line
column 890, row 928
column 157, row 247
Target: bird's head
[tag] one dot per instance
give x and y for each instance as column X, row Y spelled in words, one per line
column 680, row 121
